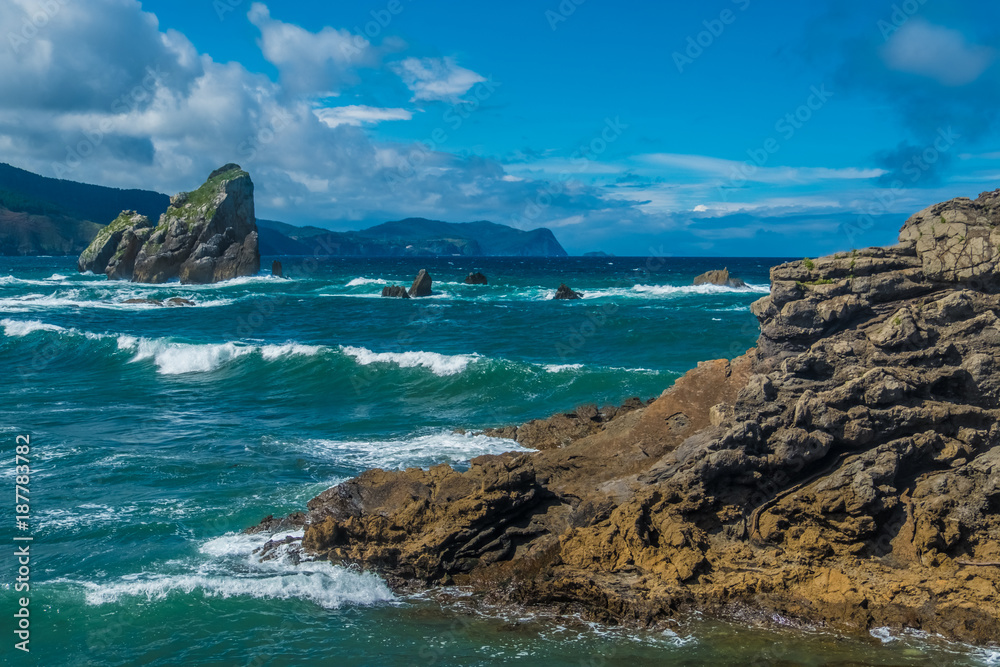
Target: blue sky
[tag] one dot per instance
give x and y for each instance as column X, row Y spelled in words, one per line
column 733, row 127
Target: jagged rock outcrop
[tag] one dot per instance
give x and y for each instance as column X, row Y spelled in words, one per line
column 395, row 291
column 114, row 249
column 476, row 278
column 719, row 277
column 421, row 284
column 205, row 236
column 565, row 292
column 845, row 472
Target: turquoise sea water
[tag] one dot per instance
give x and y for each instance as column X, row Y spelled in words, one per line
column 160, row 433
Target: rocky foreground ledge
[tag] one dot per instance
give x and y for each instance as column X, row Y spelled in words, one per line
column 843, row 473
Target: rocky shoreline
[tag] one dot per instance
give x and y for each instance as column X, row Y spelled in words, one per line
column 844, row 473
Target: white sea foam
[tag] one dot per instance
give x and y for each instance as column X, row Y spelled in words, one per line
column 19, row 328
column 419, row 451
column 357, row 282
column 559, row 368
column 228, row 567
column 105, row 300
column 275, row 352
column 180, row 358
column 439, row 364
column 670, row 290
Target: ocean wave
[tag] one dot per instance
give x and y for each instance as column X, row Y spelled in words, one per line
column 181, row 358
column 20, row 328
column 234, row 570
column 670, row 290
column 367, row 281
column 439, row 364
column 560, row 368
column 32, row 302
column 418, row 451
column 275, row 352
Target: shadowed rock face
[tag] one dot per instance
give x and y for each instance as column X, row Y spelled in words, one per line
column 845, row 472
column 720, row 277
column 114, row 249
column 565, row 292
column 476, row 278
column 421, row 284
column 205, row 236
column 397, row 291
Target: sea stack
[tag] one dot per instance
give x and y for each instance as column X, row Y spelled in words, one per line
column 720, row 277
column 564, row 292
column 421, row 284
column 276, row 270
column 205, row 236
column 395, row 291
column 476, row 278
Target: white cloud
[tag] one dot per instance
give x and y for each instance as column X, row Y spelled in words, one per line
column 936, row 52
column 359, row 114
column 436, row 78
column 313, row 62
column 735, row 171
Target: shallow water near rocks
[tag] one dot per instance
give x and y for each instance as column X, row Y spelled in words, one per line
column 160, row 433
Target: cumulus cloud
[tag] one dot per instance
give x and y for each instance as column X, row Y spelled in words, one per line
column 320, row 62
column 102, row 95
column 936, row 52
column 436, row 78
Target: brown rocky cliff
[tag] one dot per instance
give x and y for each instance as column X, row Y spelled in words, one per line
column 845, row 472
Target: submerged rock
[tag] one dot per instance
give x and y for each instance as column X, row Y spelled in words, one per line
column 476, row 278
column 396, row 291
column 564, row 292
column 205, row 236
column 720, row 277
column 421, row 284
column 843, row 473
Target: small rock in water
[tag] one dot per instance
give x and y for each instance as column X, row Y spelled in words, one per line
column 178, row 301
column 397, row 291
column 564, row 292
column 276, row 269
column 150, row 302
column 421, row 284
column 720, row 278
column 476, row 278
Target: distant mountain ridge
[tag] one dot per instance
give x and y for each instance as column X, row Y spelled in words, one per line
column 48, row 216
column 415, row 237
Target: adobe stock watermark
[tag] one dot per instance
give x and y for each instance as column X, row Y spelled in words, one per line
column 451, row 120
column 787, row 126
column 698, row 43
column 901, row 13
column 93, row 138
column 914, row 170
column 580, row 159
column 33, row 23
column 562, row 12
